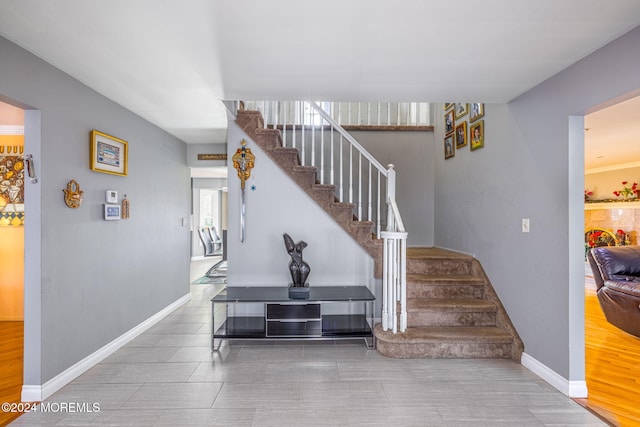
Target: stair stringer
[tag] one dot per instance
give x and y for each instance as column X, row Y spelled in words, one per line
column 270, row 140
column 502, row 318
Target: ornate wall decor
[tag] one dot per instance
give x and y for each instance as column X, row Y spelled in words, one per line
column 73, row 194
column 243, row 162
column 125, row 207
column 11, row 185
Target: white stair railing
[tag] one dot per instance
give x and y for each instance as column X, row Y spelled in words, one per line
column 358, row 178
column 394, row 276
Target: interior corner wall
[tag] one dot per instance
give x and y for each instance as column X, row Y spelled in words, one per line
column 412, row 154
column 532, row 167
column 99, row 279
column 276, row 205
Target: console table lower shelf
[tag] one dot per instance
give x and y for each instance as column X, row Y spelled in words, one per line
column 285, row 318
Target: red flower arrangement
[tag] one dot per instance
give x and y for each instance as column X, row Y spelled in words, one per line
column 628, row 193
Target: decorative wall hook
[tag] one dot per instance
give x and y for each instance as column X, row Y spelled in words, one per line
column 243, row 162
column 73, row 194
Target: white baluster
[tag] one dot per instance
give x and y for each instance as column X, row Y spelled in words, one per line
column 285, row 120
column 313, row 136
column 369, row 202
column 302, row 151
column 378, row 214
column 359, row 186
column 332, row 165
column 403, row 283
column 385, row 285
column 321, row 150
column 350, row 173
column 341, row 192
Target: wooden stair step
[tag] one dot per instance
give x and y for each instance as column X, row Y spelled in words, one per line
column 444, row 286
column 445, row 342
column 451, row 305
column 450, row 312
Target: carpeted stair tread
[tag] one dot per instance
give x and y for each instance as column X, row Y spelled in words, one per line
column 450, row 305
column 424, row 334
column 453, row 278
column 435, row 254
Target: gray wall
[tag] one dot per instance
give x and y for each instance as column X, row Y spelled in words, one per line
column 412, row 154
column 532, row 166
column 98, row 278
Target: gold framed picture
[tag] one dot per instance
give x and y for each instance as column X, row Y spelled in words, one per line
column 461, row 135
column 477, row 111
column 448, row 105
column 449, row 122
column 476, row 133
column 461, row 110
column 449, row 147
column 108, row 154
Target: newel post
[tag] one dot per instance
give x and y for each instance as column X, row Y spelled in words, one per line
column 391, row 195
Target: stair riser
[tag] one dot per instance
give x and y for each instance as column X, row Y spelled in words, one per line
column 445, row 350
column 440, row 318
column 438, row 267
column 442, row 290
column 286, row 159
column 304, row 179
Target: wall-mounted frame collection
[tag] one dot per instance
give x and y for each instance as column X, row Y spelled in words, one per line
column 462, row 126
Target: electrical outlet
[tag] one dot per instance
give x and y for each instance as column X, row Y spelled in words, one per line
column 525, row 225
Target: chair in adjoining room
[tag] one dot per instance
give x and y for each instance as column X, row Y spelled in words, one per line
column 205, row 238
column 616, row 271
column 215, row 238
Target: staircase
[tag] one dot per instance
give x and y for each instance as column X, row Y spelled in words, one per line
column 287, row 158
column 452, row 309
column 452, row 312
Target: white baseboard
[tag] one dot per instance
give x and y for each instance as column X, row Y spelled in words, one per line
column 37, row 393
column 573, row 389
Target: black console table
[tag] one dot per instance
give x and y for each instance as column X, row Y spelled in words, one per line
column 287, row 318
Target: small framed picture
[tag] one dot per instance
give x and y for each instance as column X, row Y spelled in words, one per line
column 111, row 196
column 476, row 133
column 108, row 154
column 461, row 110
column 449, row 122
column 111, row 212
column 449, row 148
column 477, row 111
column 461, row 135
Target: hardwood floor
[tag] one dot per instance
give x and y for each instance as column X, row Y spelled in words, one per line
column 11, row 359
column 612, row 367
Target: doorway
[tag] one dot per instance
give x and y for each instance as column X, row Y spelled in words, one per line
column 12, row 238
column 612, row 164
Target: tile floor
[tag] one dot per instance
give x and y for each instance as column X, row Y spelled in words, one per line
column 168, row 376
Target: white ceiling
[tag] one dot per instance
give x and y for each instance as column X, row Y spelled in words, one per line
column 172, row 62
